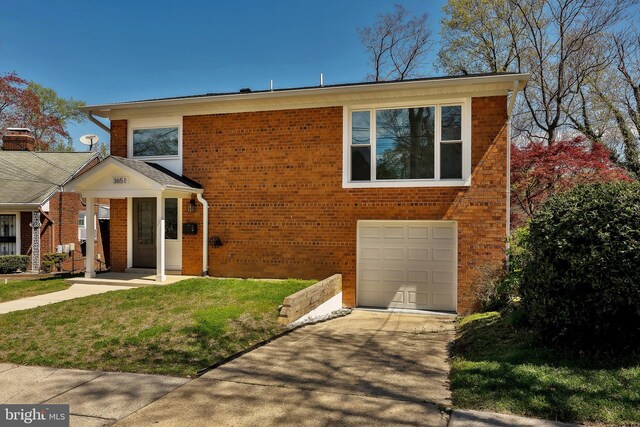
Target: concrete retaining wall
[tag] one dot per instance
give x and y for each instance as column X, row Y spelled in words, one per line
column 301, row 303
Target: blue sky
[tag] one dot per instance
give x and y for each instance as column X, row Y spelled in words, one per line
column 119, row 50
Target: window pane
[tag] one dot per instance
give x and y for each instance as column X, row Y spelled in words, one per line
column 451, row 164
column 171, row 219
column 360, row 163
column 81, row 219
column 155, row 142
column 360, row 127
column 405, row 143
column 451, row 123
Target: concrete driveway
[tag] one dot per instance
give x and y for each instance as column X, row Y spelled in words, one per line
column 368, row 368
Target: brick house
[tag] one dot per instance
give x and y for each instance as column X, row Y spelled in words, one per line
column 400, row 186
column 36, row 217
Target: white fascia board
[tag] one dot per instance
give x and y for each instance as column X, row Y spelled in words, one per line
column 75, row 185
column 316, row 96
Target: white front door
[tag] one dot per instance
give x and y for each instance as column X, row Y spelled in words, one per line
column 407, row 264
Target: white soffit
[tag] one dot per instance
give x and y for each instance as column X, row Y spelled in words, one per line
column 454, row 87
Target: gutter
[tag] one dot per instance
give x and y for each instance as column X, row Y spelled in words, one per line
column 97, row 122
column 104, row 110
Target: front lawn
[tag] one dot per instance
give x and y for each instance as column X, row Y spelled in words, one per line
column 498, row 367
column 16, row 289
column 174, row 329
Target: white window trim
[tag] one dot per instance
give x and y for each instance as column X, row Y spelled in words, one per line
column 173, row 122
column 18, row 229
column 95, row 225
column 178, row 218
column 435, row 182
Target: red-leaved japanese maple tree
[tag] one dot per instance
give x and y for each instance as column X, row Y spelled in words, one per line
column 539, row 170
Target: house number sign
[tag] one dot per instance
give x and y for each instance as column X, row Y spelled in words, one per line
column 119, row 180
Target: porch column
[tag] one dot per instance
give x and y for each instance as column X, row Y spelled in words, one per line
column 89, row 261
column 160, row 251
column 35, row 242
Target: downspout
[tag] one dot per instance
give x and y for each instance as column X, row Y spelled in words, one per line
column 512, row 102
column 98, row 122
column 205, row 234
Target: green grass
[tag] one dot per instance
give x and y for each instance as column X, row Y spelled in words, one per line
column 499, row 367
column 16, row 289
column 175, row 329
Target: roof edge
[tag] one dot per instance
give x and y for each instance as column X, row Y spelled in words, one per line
column 310, row 91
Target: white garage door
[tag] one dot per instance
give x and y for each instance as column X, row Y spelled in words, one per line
column 407, row 264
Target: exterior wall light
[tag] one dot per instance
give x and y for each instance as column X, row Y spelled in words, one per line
column 192, row 206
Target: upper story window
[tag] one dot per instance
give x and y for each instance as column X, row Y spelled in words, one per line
column 155, row 142
column 421, row 145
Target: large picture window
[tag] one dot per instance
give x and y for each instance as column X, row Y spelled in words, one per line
column 155, row 142
column 420, row 144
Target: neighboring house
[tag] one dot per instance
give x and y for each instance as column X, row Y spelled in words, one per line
column 36, row 218
column 400, row 186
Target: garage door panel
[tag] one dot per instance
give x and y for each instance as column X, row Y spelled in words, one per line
column 394, row 254
column 371, row 253
column 418, row 233
column 419, row 299
column 391, row 275
column 418, row 254
column 443, row 277
column 371, row 275
column 370, row 231
column 383, row 299
column 419, row 277
column 442, row 254
column 442, row 300
column 408, row 264
column 440, row 232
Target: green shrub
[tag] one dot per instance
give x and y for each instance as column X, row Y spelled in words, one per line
column 55, row 259
column 47, row 266
column 497, row 286
column 13, row 263
column 580, row 282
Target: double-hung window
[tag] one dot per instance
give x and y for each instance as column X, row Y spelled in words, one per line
column 419, row 145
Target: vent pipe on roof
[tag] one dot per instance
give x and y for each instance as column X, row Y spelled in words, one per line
column 321, row 80
column 271, row 85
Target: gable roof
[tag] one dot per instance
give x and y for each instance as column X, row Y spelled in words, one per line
column 158, row 173
column 30, row 178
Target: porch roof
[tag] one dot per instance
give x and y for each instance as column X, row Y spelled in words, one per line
column 118, row 177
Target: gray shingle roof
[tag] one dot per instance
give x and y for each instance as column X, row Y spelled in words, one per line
column 158, row 173
column 28, row 177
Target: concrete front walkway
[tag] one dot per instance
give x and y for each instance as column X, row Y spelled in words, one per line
column 127, row 279
column 75, row 291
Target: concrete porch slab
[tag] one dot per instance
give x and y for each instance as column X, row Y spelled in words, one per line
column 134, row 279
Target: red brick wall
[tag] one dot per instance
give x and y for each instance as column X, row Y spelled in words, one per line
column 118, row 140
column 273, row 181
column 118, row 234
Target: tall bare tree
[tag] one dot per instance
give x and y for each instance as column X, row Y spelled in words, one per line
column 398, row 45
column 557, row 41
column 477, row 36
